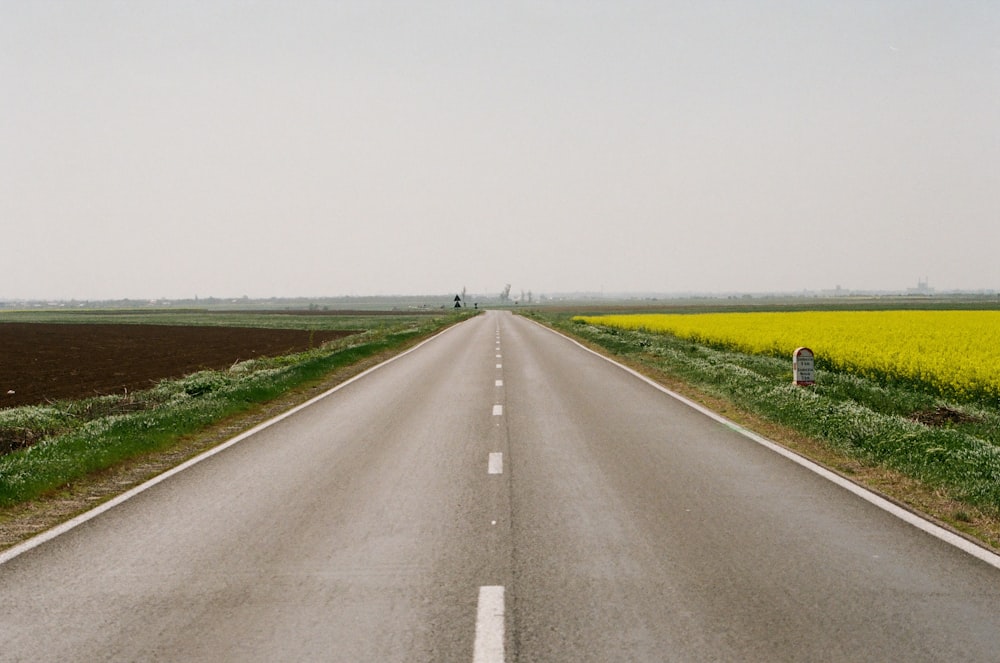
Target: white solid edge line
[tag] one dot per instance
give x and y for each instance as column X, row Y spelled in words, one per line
column 495, row 463
column 903, row 514
column 488, row 647
column 62, row 528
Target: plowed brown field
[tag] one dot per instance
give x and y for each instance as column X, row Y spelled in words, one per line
column 40, row 362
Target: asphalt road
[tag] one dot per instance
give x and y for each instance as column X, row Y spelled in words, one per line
column 497, row 494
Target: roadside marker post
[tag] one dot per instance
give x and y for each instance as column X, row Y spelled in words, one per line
column 803, row 367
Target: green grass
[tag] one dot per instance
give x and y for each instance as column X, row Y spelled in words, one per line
column 69, row 440
column 866, row 420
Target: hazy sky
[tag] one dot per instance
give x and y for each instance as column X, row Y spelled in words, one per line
column 175, row 148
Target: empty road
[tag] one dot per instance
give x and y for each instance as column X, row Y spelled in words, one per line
column 497, row 494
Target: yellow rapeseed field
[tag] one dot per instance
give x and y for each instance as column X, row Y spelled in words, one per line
column 956, row 352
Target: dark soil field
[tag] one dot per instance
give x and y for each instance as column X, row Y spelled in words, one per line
column 41, row 362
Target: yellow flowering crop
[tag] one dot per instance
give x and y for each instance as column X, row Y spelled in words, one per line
column 956, row 352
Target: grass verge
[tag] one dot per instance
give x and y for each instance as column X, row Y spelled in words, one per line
column 941, row 458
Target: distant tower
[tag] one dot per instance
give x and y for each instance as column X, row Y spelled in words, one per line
column 923, row 287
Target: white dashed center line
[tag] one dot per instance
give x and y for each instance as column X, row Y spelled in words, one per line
column 489, row 625
column 489, row 643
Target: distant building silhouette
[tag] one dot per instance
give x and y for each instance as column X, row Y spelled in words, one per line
column 922, row 288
